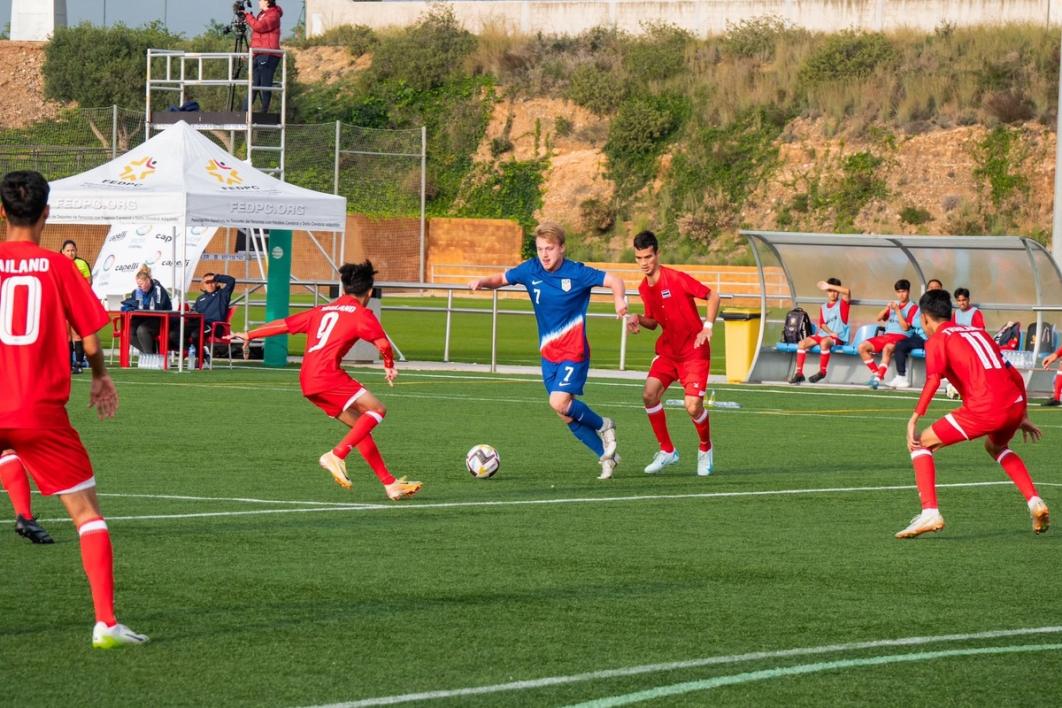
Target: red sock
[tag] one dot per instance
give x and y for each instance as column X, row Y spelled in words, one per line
column 1018, row 473
column 925, row 477
column 881, row 371
column 98, row 559
column 824, row 361
column 872, row 366
column 367, row 448
column 1058, row 385
column 14, row 479
column 361, row 428
column 801, row 358
column 704, row 431
column 658, row 419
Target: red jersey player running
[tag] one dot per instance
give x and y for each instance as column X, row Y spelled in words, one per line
column 993, row 405
column 331, row 330
column 683, row 350
column 40, row 292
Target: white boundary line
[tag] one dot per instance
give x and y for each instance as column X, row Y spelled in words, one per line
column 411, row 506
column 532, row 684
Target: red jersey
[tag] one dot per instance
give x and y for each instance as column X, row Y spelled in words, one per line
column 671, row 302
column 40, row 292
column 331, row 330
column 970, row 359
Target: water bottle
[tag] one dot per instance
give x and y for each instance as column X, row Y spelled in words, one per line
column 192, row 361
column 712, row 403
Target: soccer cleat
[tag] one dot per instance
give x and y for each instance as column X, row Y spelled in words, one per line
column 337, row 467
column 926, row 522
column 607, row 433
column 816, row 377
column 1052, row 402
column 704, row 462
column 29, row 528
column 104, row 637
column 401, row 489
column 796, row 378
column 661, row 460
column 874, row 382
column 608, row 466
column 1041, row 519
column 899, row 381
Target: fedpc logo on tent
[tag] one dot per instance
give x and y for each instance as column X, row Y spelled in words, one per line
column 224, row 174
column 138, row 170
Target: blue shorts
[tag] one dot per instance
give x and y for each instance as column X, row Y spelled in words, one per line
column 565, row 376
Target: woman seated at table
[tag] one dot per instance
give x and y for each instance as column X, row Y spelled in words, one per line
column 149, row 295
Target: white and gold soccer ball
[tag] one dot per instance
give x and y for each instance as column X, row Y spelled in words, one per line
column 482, row 461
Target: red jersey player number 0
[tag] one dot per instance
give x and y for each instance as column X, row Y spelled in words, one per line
column 8, row 297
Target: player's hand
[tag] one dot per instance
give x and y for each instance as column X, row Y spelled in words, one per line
column 103, row 396
column 1029, row 431
column 633, row 326
column 621, row 308
column 390, row 374
column 236, row 336
column 894, row 306
column 1049, row 359
column 702, row 338
column 822, row 285
column 914, row 440
column 474, row 285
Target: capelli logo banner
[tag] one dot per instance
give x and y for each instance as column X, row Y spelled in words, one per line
column 225, row 175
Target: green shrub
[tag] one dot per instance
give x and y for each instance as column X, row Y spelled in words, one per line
column 756, row 37
column 859, row 184
column 596, row 89
column 998, row 159
column 425, row 55
column 658, row 54
column 638, row 135
column 500, row 145
column 562, row 126
column 915, row 216
column 848, row 55
column 359, row 39
column 597, row 216
column 509, row 190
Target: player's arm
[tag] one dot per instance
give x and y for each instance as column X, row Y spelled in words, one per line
column 1052, row 358
column 636, row 321
column 978, row 320
column 845, row 293
column 491, row 282
column 619, row 293
column 103, row 396
column 269, row 329
column 902, row 319
column 225, row 281
column 1029, row 431
column 934, row 374
column 884, row 314
column 705, row 335
column 387, row 353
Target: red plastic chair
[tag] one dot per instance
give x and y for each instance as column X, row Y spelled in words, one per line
column 218, row 330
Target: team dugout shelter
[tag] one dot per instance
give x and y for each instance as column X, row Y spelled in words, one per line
column 1008, row 277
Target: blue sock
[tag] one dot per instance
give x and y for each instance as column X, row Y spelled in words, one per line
column 581, row 412
column 587, row 436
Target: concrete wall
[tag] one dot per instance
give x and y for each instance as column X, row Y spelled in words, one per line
column 701, row 17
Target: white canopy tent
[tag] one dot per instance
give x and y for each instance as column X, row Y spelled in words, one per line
column 181, row 178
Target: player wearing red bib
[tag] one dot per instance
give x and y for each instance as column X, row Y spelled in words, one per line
column 897, row 317
column 40, row 292
column 331, row 330
column 683, row 350
column 994, row 405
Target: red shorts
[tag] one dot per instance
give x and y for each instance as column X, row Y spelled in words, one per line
column 337, row 399
column 54, row 457
column 693, row 373
column 820, row 338
column 959, row 426
column 881, row 340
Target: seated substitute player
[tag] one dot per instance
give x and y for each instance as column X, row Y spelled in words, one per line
column 903, row 348
column 560, row 294
column 15, row 480
column 965, row 313
column 1048, row 360
column 993, row 405
column 331, row 330
column 683, row 350
column 40, row 292
column 832, row 330
column 896, row 316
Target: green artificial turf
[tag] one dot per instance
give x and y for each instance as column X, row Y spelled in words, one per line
column 262, row 583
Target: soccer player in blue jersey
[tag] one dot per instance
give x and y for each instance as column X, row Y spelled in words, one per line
column 560, row 293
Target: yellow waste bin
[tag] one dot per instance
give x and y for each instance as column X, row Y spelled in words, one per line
column 742, row 336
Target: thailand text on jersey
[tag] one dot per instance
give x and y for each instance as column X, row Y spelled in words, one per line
column 40, row 292
column 331, row 330
column 560, row 299
column 672, row 302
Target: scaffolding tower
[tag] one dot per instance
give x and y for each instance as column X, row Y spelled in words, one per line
column 220, row 78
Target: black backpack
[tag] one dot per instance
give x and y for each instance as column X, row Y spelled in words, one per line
column 1008, row 335
column 797, row 326
column 1048, row 345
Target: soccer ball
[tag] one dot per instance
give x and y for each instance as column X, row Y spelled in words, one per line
column 482, row 461
column 951, row 392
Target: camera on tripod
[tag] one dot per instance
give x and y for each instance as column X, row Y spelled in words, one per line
column 239, row 22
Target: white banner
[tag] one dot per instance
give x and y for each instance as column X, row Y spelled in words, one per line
column 128, row 247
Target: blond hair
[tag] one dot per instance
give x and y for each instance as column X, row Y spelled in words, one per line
column 144, row 273
column 550, row 231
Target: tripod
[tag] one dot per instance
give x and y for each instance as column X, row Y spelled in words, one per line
column 239, row 47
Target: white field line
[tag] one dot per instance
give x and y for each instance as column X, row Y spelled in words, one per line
column 520, row 502
column 532, row 684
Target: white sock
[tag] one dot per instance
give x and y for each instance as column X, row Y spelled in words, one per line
column 1034, row 501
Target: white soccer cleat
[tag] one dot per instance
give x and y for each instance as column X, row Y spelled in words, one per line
column 929, row 521
column 661, row 460
column 607, row 433
column 608, row 466
column 402, row 489
column 104, row 637
column 899, row 381
column 951, row 392
column 337, row 467
column 1041, row 518
column 704, row 462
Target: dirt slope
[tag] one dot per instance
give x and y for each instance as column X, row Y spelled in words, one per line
column 22, row 85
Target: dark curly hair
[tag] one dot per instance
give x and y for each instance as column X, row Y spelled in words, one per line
column 357, row 277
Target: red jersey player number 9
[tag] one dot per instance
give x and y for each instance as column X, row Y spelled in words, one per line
column 324, row 330
column 8, row 297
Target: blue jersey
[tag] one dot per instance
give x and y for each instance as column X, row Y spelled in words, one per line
column 560, row 299
column 892, row 326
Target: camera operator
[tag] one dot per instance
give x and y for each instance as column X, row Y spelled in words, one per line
column 265, row 34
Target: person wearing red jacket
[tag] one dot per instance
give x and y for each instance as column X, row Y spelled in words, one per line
column 265, row 34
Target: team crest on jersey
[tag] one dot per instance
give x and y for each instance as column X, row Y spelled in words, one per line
column 665, row 294
column 566, row 284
